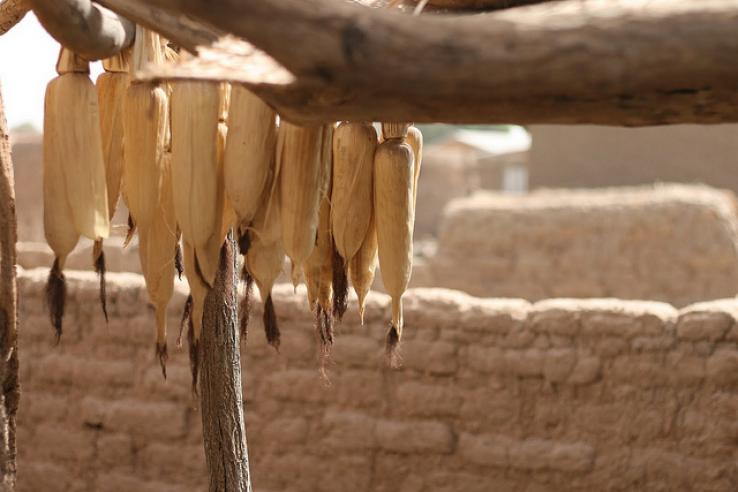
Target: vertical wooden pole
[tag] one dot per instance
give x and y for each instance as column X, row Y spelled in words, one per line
column 220, row 382
column 9, row 393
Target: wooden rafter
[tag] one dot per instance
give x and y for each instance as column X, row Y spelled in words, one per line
column 620, row 62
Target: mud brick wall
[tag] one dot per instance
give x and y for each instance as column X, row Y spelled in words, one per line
column 669, row 243
column 494, row 394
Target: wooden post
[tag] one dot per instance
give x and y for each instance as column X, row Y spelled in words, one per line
column 10, row 393
column 220, row 382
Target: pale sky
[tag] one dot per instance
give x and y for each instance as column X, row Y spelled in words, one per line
column 27, row 59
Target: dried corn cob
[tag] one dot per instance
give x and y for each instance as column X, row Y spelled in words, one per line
column 268, row 229
column 75, row 197
column 195, row 166
column 395, row 217
column 302, row 169
column 75, row 119
column 156, row 244
column 249, row 154
column 354, row 145
column 111, row 92
column 146, row 120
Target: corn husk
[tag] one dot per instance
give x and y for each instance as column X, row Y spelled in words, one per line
column 145, row 129
column 197, row 170
column 75, row 195
column 111, row 93
column 395, row 217
column 302, row 167
column 157, row 245
column 72, row 138
column 250, row 152
column 354, row 145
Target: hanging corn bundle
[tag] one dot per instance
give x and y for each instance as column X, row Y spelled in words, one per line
column 192, row 318
column 111, row 91
column 302, row 168
column 199, row 188
column 148, row 182
column 332, row 199
column 75, row 196
column 354, row 145
column 200, row 265
column 250, row 150
column 248, row 163
column 146, row 121
column 394, row 183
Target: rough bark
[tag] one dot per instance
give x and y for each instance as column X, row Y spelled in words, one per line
column 220, row 382
column 89, row 30
column 620, row 62
column 8, row 312
column 12, row 12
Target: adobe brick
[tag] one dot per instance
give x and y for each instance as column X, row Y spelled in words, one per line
column 558, row 364
column 416, row 436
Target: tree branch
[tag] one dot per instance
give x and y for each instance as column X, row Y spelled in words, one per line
column 9, row 393
column 11, row 13
column 89, row 30
column 224, row 434
column 620, row 62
